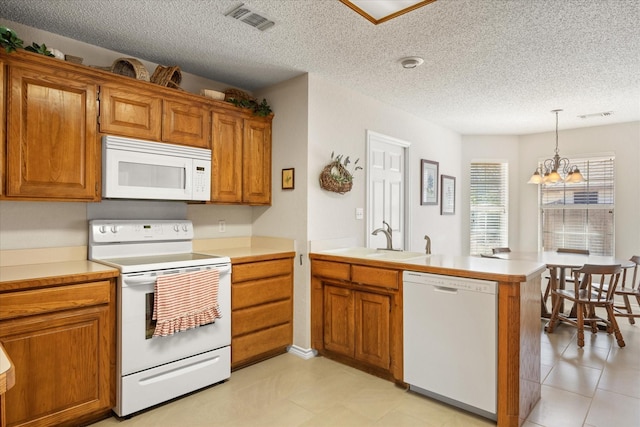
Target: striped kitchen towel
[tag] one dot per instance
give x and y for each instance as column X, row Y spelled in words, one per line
column 185, row 301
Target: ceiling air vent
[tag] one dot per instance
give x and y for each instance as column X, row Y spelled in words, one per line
column 603, row 114
column 245, row 15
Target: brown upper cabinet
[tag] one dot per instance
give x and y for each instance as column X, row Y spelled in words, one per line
column 226, row 158
column 256, row 156
column 186, row 123
column 241, row 159
column 51, row 139
column 57, row 111
column 128, row 110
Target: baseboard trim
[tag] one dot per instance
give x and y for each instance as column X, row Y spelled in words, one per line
column 305, row 353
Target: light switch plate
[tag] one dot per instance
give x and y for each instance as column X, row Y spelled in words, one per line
column 359, row 213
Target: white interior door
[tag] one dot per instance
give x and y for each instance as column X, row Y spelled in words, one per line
column 386, row 189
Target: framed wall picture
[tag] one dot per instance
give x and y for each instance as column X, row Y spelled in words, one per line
column 428, row 182
column 288, row 179
column 448, row 196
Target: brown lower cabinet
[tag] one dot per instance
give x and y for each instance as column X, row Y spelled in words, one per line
column 262, row 308
column 357, row 324
column 61, row 340
column 357, row 317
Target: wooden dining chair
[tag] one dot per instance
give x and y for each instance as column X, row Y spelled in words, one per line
column 587, row 298
column 500, row 250
column 626, row 292
column 545, row 296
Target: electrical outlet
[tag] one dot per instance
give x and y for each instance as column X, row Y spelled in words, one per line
column 359, row 213
column 222, row 226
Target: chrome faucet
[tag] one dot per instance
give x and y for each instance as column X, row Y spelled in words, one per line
column 428, row 248
column 387, row 233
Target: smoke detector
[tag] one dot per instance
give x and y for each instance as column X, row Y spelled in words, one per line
column 245, row 15
column 411, row 62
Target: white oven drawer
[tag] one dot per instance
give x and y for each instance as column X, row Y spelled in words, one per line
column 156, row 385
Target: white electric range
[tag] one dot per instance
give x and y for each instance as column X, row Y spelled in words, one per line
column 153, row 370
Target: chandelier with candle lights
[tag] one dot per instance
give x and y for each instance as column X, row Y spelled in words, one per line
column 556, row 169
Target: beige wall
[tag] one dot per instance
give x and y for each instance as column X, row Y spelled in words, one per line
column 26, row 225
column 623, row 140
column 338, row 121
column 287, row 217
column 504, row 148
column 523, row 153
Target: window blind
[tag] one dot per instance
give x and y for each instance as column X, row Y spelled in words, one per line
column 489, row 203
column 581, row 215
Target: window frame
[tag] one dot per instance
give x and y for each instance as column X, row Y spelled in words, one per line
column 496, row 214
column 570, row 205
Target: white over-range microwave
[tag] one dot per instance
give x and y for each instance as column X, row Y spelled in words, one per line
column 137, row 169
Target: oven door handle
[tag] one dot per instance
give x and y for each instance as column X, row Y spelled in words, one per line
column 149, row 280
column 144, row 280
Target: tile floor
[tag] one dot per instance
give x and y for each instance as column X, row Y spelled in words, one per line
column 598, row 386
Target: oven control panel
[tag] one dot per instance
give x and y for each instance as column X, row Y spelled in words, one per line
column 107, row 231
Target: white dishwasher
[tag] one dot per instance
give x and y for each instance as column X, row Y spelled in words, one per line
column 450, row 340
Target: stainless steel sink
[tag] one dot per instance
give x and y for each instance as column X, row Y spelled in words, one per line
column 371, row 253
column 396, row 255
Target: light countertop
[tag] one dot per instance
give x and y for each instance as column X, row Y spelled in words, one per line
column 249, row 254
column 51, row 273
column 246, row 249
column 461, row 266
column 24, row 268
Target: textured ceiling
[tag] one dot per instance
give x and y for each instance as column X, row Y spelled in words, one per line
column 491, row 66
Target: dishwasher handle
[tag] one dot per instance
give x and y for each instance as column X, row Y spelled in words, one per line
column 445, row 290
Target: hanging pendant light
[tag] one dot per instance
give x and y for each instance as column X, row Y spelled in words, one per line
column 551, row 169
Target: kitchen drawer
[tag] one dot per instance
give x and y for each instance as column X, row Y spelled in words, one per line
column 247, row 294
column 331, row 270
column 260, row 317
column 373, row 276
column 264, row 341
column 27, row 303
column 262, row 269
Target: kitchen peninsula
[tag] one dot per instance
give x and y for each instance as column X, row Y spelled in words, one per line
column 356, row 278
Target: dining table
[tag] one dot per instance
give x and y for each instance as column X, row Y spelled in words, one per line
column 558, row 263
